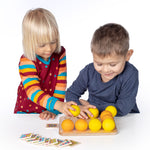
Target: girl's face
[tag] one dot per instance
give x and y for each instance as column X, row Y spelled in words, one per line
column 109, row 67
column 45, row 50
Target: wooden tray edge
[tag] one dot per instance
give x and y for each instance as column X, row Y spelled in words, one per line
column 84, row 133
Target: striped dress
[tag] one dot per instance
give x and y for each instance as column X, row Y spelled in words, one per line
column 42, row 83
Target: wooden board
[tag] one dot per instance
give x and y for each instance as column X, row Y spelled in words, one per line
column 82, row 133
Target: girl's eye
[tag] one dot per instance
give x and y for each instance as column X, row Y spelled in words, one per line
column 43, row 45
column 53, row 42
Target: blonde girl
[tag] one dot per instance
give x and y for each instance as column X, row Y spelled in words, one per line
column 42, row 67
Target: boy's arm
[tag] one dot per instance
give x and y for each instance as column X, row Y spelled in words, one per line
column 127, row 98
column 78, row 87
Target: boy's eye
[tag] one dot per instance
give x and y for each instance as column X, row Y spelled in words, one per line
column 99, row 64
column 112, row 65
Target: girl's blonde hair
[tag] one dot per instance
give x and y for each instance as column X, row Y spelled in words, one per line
column 39, row 26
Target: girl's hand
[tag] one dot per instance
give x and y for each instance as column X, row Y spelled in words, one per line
column 46, row 115
column 84, row 110
column 64, row 107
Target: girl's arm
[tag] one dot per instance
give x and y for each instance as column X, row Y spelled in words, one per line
column 32, row 87
column 61, row 83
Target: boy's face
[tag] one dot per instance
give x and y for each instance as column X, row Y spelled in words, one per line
column 109, row 66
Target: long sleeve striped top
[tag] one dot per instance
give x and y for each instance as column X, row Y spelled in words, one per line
column 42, row 83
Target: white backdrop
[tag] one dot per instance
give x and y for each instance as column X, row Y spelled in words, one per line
column 77, row 20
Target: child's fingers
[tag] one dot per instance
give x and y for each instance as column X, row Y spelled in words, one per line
column 80, row 116
column 89, row 113
column 49, row 115
column 68, row 113
column 53, row 116
column 69, row 107
column 72, row 103
column 91, row 106
column 42, row 116
column 45, row 116
column 83, row 115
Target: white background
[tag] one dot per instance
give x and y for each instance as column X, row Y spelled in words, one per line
column 77, row 20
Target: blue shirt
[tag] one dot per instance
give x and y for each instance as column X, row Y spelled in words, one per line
column 120, row 92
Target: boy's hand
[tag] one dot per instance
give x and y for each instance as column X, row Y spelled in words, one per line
column 84, row 102
column 46, row 115
column 64, row 107
column 84, row 110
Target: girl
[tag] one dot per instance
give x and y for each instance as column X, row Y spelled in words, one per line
column 42, row 68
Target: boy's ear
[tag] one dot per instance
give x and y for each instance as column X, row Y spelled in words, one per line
column 129, row 54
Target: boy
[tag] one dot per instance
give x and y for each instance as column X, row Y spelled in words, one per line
column 110, row 79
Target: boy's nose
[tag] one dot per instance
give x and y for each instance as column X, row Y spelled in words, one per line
column 105, row 68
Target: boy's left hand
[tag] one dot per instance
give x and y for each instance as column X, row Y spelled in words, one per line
column 46, row 115
column 84, row 102
column 84, row 110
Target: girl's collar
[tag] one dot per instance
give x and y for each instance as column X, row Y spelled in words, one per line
column 44, row 61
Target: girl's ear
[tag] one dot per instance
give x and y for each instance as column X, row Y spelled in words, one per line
column 129, row 54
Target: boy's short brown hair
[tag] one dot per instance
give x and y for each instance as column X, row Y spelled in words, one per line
column 110, row 39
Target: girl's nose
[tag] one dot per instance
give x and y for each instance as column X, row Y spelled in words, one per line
column 48, row 47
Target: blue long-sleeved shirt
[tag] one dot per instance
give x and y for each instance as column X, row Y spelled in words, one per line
column 120, row 92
